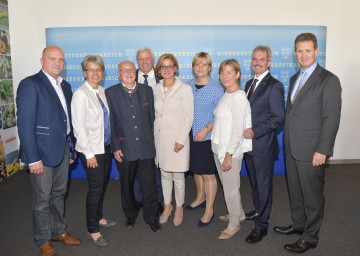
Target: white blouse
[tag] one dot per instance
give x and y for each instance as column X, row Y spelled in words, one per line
column 232, row 117
column 88, row 120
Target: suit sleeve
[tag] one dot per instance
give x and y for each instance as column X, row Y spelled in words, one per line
column 277, row 112
column 115, row 144
column 187, row 103
column 26, row 101
column 331, row 112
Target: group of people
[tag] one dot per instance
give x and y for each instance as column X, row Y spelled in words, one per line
column 157, row 127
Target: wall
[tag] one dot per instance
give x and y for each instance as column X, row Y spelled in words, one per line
column 28, row 20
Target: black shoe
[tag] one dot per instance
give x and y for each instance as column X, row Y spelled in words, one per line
column 205, row 224
column 189, row 207
column 155, row 226
column 256, row 236
column 130, row 222
column 299, row 246
column 251, row 215
column 160, row 208
column 287, row 230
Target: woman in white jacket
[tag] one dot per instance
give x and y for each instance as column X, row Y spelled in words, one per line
column 90, row 119
column 174, row 114
column 232, row 116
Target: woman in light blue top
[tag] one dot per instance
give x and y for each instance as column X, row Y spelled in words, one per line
column 207, row 93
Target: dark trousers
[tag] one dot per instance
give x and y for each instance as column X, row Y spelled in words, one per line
column 306, row 189
column 137, row 190
column 145, row 171
column 261, row 170
column 97, row 180
column 48, row 193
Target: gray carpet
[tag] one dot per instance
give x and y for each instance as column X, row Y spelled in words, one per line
column 340, row 233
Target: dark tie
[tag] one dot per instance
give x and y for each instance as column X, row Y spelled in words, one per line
column 145, row 79
column 252, row 88
column 301, row 83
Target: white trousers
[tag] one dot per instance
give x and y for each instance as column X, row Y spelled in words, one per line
column 167, row 180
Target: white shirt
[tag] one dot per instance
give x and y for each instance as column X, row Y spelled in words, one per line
column 232, row 117
column 151, row 77
column 259, row 78
column 57, row 86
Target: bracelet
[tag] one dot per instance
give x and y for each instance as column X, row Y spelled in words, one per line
column 207, row 128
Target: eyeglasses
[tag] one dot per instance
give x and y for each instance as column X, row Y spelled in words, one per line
column 128, row 71
column 98, row 70
column 167, row 67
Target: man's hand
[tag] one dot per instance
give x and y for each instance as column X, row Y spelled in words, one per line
column 318, row 159
column 37, row 168
column 248, row 133
column 118, row 155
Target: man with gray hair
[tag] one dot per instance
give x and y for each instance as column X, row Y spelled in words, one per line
column 266, row 97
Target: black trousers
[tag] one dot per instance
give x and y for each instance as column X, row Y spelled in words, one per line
column 145, row 171
column 261, row 170
column 97, row 180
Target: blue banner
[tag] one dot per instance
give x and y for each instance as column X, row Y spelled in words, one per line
column 116, row 44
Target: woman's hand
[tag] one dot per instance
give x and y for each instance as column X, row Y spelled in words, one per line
column 226, row 164
column 91, row 162
column 200, row 136
column 178, row 147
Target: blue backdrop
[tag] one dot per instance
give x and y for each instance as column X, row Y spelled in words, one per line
column 116, row 44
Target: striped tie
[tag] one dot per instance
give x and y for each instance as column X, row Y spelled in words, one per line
column 301, row 83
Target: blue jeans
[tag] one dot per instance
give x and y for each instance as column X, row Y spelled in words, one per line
column 48, row 191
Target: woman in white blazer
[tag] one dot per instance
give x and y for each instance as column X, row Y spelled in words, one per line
column 232, row 117
column 90, row 119
column 174, row 113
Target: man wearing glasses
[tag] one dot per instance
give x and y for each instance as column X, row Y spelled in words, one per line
column 132, row 117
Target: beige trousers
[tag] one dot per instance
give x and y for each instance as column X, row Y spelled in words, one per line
column 230, row 181
column 167, row 180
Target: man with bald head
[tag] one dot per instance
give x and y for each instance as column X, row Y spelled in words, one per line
column 45, row 132
column 132, row 141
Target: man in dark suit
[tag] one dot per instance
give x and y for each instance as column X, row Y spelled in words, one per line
column 45, row 132
column 266, row 97
column 146, row 74
column 132, row 116
column 311, row 124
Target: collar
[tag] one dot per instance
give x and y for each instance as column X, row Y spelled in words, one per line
column 150, row 74
column 52, row 80
column 124, row 88
column 261, row 77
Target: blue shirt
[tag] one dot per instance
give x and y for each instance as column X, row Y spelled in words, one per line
column 308, row 73
column 205, row 101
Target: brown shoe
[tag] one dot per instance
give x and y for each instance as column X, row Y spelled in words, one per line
column 47, row 249
column 67, row 239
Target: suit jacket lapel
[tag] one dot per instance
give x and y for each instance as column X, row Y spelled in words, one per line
column 261, row 87
column 310, row 81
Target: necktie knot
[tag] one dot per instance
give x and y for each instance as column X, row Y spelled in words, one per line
column 130, row 91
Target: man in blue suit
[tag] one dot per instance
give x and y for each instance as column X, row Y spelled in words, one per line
column 266, row 97
column 45, row 132
column 146, row 74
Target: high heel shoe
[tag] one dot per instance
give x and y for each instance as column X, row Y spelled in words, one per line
column 164, row 217
column 178, row 220
column 227, row 234
column 202, row 224
column 189, row 207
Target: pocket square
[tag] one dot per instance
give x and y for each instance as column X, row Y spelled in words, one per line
column 121, row 138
